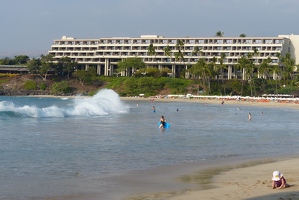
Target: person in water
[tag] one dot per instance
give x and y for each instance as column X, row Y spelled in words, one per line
column 162, row 122
column 249, row 116
column 278, row 181
column 154, row 109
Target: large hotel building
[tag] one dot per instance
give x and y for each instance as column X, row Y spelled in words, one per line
column 104, row 53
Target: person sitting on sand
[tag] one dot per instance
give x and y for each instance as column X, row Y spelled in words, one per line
column 278, row 181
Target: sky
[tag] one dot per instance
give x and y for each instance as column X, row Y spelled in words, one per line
column 29, row 27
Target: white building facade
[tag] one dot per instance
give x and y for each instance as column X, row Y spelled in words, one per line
column 104, row 53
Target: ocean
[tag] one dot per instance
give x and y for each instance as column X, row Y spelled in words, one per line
column 55, row 147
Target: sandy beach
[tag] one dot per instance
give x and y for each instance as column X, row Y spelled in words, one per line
column 249, row 102
column 250, row 180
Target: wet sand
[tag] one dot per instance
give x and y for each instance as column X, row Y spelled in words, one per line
column 249, row 180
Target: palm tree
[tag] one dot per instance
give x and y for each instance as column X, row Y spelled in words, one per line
column 264, row 68
column 179, row 55
column 289, row 66
column 68, row 65
column 219, row 34
column 203, row 71
column 151, row 50
column 197, row 51
column 168, row 53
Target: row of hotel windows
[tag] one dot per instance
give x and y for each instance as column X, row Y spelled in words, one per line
column 168, row 60
column 145, row 48
column 161, row 54
column 169, row 41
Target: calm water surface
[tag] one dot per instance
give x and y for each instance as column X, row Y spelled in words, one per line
column 61, row 146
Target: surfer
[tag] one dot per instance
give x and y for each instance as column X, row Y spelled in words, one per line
column 162, row 122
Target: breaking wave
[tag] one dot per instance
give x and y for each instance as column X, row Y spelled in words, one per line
column 104, row 102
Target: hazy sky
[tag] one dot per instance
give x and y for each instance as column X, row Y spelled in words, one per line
column 30, row 26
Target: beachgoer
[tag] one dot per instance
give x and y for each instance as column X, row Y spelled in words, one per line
column 249, row 116
column 177, row 110
column 278, row 181
column 154, row 109
column 222, row 102
column 162, row 122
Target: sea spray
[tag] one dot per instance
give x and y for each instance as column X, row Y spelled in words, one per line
column 104, row 102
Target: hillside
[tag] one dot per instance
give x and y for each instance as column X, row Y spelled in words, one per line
column 15, row 85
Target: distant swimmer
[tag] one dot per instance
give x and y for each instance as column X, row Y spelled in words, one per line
column 222, row 102
column 239, row 108
column 249, row 116
column 177, row 110
column 154, row 109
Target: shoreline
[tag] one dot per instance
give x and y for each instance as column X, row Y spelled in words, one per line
column 271, row 104
column 240, row 179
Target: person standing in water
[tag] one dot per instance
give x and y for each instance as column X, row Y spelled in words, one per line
column 162, row 122
column 249, row 116
column 154, row 109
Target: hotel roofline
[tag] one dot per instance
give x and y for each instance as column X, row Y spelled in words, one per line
column 105, row 52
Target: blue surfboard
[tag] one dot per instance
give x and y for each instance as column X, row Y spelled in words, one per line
column 167, row 125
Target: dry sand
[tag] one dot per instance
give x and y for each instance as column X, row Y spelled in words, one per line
column 249, row 180
column 218, row 101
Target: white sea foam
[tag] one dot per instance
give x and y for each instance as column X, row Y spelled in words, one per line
column 104, row 102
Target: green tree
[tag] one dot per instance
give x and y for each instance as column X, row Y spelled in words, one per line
column 219, row 34
column 34, row 66
column 86, row 76
column 151, row 50
column 203, row 71
column 6, row 61
column 179, row 55
column 153, row 72
column 129, row 63
column 289, row 67
column 167, row 51
column 46, row 65
column 30, row 85
column 68, row 65
column 243, row 35
column 62, row 87
column 196, row 51
column 21, row 59
column 265, row 68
